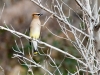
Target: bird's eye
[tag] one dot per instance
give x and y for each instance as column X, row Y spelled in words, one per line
column 38, row 14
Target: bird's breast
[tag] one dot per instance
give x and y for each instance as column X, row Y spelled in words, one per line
column 35, row 28
column 35, row 33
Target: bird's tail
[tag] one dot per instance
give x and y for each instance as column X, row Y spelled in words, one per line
column 35, row 45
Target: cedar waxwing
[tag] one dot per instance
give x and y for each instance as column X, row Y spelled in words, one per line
column 34, row 32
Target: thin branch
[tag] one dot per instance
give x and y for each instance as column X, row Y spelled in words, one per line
column 19, row 56
column 47, row 20
column 62, row 20
column 2, row 11
column 57, row 49
column 85, row 9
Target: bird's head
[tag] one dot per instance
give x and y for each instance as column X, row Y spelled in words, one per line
column 36, row 15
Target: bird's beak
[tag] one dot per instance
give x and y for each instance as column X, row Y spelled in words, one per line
column 41, row 14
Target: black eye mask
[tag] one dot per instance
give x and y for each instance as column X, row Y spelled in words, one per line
column 39, row 14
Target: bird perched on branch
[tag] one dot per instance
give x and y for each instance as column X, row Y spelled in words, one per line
column 34, row 31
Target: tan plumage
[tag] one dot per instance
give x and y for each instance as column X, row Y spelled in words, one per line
column 35, row 28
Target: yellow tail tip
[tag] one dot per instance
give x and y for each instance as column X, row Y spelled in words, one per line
column 35, row 53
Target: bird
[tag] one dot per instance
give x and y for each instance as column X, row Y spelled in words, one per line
column 34, row 31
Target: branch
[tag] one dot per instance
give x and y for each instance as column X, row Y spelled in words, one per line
column 62, row 20
column 88, row 10
column 19, row 56
column 2, row 11
column 57, row 49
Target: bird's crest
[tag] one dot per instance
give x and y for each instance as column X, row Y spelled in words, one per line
column 36, row 14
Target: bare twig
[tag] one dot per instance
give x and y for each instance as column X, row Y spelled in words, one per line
column 2, row 11
column 66, row 22
column 57, row 49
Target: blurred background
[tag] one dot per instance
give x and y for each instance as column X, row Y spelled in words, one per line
column 17, row 13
